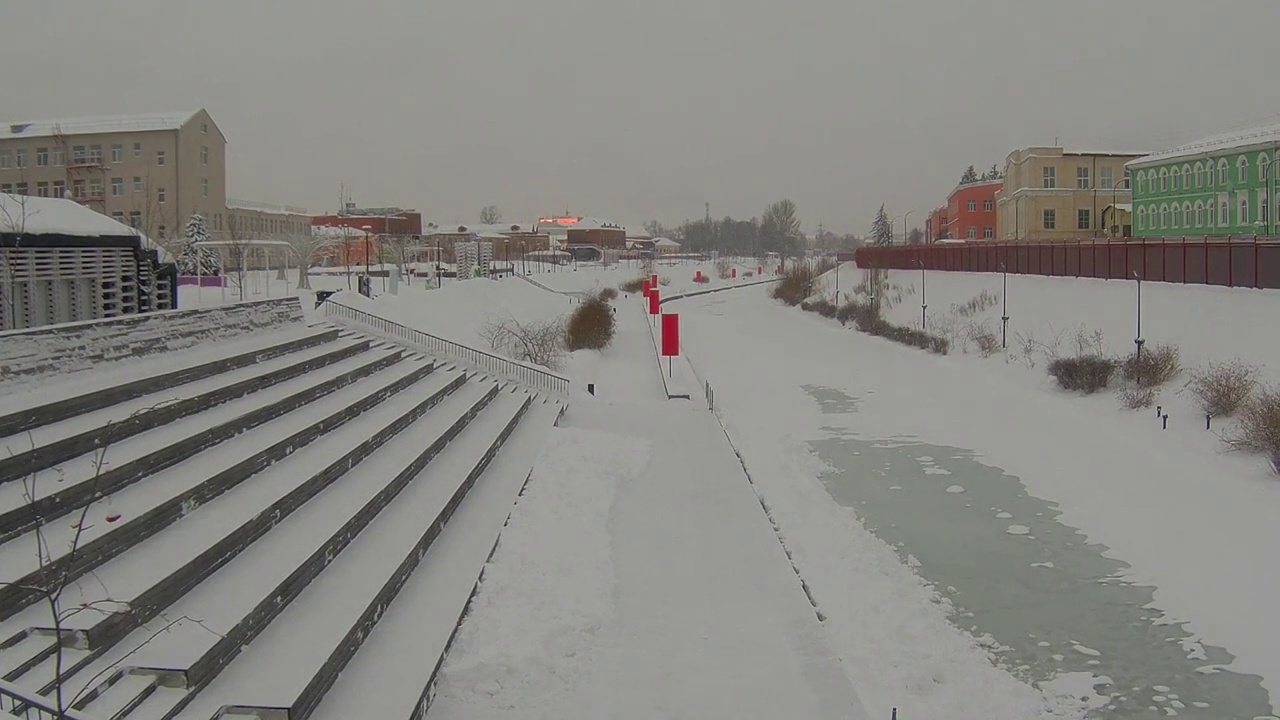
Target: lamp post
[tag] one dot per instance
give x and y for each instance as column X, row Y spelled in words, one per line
column 923, row 306
column 367, row 229
column 1004, row 307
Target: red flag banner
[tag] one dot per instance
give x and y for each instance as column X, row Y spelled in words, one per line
column 654, row 303
column 670, row 334
column 653, row 281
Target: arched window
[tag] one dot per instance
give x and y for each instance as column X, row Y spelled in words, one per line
column 1186, row 177
column 1164, row 216
column 1142, row 213
column 1164, row 179
column 1242, row 170
column 1175, row 216
column 1200, row 213
column 1264, row 163
column 1186, row 214
column 1222, row 171
column 1142, row 183
column 1224, row 217
column 1199, row 174
column 1242, row 210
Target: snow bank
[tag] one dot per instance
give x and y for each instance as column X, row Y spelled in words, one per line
column 533, row 632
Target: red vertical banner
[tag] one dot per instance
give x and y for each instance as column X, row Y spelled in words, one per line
column 654, row 303
column 733, row 272
column 645, row 287
column 760, row 270
column 697, row 275
column 670, row 334
column 653, row 281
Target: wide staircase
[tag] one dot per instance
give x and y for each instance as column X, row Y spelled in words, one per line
column 287, row 523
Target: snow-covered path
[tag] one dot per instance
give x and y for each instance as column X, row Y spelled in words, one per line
column 694, row 612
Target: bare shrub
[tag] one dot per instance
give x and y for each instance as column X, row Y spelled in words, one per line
column 634, row 285
column 1152, row 367
column 1135, row 397
column 1084, row 373
column 861, row 314
column 608, row 294
column 1223, row 388
column 724, row 268
column 591, row 326
column 796, row 284
column 664, row 281
column 1089, row 342
column 982, row 338
column 1259, row 428
column 976, row 304
column 539, row 342
column 825, row 308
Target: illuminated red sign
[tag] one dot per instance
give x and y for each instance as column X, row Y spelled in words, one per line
column 558, row 220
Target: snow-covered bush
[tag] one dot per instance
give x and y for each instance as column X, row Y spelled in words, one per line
column 195, row 260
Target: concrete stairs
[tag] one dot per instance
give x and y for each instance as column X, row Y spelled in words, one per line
column 229, row 537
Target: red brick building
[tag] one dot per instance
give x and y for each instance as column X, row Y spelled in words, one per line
column 971, row 211
column 935, row 226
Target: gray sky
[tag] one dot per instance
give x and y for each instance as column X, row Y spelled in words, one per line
column 646, row 108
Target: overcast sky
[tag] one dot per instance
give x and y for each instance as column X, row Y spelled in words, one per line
column 641, row 109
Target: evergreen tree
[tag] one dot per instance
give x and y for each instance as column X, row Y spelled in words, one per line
column 881, row 231
column 193, row 260
column 995, row 172
column 970, row 176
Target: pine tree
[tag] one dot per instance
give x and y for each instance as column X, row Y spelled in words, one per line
column 881, row 231
column 970, row 176
column 193, row 260
column 995, row 172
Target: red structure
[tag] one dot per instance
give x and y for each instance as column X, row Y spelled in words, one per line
column 935, row 226
column 971, row 211
column 670, row 334
column 371, row 223
column 654, row 303
column 1250, row 262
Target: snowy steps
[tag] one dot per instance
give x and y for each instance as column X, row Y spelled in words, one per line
column 267, row 526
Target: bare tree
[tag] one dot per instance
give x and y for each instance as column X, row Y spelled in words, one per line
column 55, row 574
column 490, row 215
column 304, row 247
column 153, row 219
column 399, row 249
column 539, row 342
column 14, row 214
column 237, row 243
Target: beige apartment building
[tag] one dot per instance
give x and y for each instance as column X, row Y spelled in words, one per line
column 149, row 171
column 1055, row 194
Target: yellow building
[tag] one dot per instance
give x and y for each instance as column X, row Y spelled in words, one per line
column 1055, row 194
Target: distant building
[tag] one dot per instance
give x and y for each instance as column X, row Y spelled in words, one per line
column 1052, row 194
column 61, row 262
column 971, row 210
column 935, row 226
column 1220, row 185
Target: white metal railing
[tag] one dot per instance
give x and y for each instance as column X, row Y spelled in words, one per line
column 527, row 374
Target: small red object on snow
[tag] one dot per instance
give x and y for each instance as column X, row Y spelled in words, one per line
column 113, row 517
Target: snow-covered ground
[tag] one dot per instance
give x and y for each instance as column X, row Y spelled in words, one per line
column 1196, row 524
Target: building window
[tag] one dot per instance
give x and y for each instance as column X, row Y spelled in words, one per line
column 971, row 233
column 1199, row 174
column 1242, row 208
column 1242, row 169
column 42, row 189
column 118, row 216
column 1126, row 179
column 77, row 189
column 204, row 187
column 971, row 206
column 20, row 157
column 117, row 186
column 1175, row 216
column 135, row 219
column 56, row 158
column 6, row 188
column 117, row 153
column 21, row 189
column 59, row 189
column 1199, row 211
column 1264, row 207
column 6, row 159
column 159, row 157
column 137, row 150
column 1049, row 177
column 160, row 195
column 1106, row 177
column 988, row 232
column 1082, row 178
column 137, row 184
column 1142, row 214
column 1164, row 216
column 95, row 154
column 1222, row 172
column 1224, row 217
column 204, row 128
column 204, row 154
column 1142, row 183
column 1164, row 179
column 1186, row 177
column 1082, row 219
column 1264, row 167
column 988, row 205
column 95, row 188
column 42, row 157
column 1050, row 219
column 1186, row 214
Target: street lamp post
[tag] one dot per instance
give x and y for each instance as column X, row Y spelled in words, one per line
column 905, row 215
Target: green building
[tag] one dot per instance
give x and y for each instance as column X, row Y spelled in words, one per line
column 1223, row 185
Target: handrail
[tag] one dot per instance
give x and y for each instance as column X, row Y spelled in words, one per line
column 527, row 374
column 535, row 283
column 15, row 702
column 696, row 293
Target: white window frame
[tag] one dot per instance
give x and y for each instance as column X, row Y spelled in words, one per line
column 1142, row 216
column 1164, row 179
column 117, row 187
column 1164, row 216
column 1200, row 212
column 1224, row 211
column 971, row 232
column 161, row 196
column 1186, row 213
column 117, row 153
column 20, row 158
column 1049, row 177
column 988, row 205
column 204, row 187
column 1224, row 167
column 1264, row 207
column 1082, row 177
column 988, row 233
column 137, row 183
column 1243, row 218
column 1242, row 170
column 1087, row 217
column 1142, row 183
column 204, row 154
column 6, row 159
column 1049, row 219
column 1264, row 162
column 137, row 149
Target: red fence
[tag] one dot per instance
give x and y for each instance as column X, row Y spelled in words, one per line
column 1251, row 262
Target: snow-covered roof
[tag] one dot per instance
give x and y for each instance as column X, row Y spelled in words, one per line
column 480, row 229
column 336, row 231
column 1122, row 207
column 638, row 232
column 590, row 223
column 96, row 125
column 665, row 242
column 238, row 204
column 32, row 215
column 1264, row 136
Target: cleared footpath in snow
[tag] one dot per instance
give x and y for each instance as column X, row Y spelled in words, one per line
column 640, row 576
